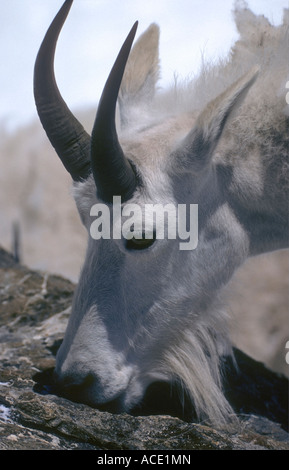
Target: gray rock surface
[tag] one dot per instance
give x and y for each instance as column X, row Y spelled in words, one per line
column 34, row 309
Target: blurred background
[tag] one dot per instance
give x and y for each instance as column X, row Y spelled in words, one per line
column 34, row 187
column 92, row 35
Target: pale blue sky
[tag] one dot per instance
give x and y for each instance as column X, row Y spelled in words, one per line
column 93, row 34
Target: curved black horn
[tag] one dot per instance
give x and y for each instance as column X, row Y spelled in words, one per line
column 112, row 172
column 65, row 133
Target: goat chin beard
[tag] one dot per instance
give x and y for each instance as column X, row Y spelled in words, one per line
column 195, row 362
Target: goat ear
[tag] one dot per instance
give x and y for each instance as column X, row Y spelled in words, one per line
column 196, row 150
column 141, row 73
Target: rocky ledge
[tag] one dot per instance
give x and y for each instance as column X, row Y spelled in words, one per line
column 34, row 308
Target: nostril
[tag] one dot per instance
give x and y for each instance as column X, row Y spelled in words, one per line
column 82, row 389
column 88, row 381
column 77, row 381
column 73, row 386
column 68, row 381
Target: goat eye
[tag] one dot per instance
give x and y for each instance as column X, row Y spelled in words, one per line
column 140, row 243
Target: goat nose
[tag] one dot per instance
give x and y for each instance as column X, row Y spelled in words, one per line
column 79, row 390
column 72, row 386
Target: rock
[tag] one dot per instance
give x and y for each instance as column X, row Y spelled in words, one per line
column 34, row 310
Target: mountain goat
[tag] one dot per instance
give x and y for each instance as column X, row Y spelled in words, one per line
column 212, row 155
